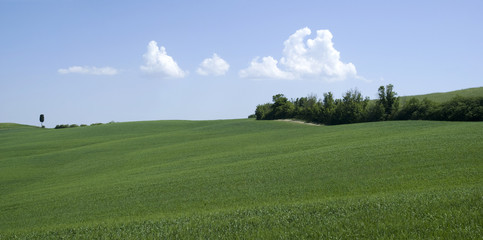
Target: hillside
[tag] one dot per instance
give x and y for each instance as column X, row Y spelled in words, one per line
column 446, row 96
column 243, row 179
column 13, row 125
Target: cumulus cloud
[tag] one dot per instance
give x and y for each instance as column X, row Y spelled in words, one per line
column 157, row 61
column 89, row 70
column 266, row 68
column 314, row 58
column 215, row 66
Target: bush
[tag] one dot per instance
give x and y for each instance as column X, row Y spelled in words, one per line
column 264, row 112
column 462, row 109
column 352, row 108
column 67, row 126
column 457, row 109
column 308, row 109
column 281, row 107
column 419, row 110
column 375, row 112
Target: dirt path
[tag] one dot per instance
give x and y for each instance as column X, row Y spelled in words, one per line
column 297, row 121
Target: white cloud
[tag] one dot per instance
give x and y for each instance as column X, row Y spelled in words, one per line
column 89, row 70
column 215, row 66
column 315, row 58
column 267, row 68
column 157, row 61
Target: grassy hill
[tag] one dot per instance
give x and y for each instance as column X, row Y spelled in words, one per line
column 243, row 179
column 446, row 96
column 13, row 125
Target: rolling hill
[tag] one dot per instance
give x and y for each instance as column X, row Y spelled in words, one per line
column 446, row 96
column 242, row 179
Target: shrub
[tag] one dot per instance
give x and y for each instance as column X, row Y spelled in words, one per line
column 418, row 110
column 281, row 107
column 61, row 126
column 462, row 109
column 264, row 112
column 66, row 126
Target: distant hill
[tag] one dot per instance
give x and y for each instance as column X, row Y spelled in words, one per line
column 445, row 96
column 13, row 125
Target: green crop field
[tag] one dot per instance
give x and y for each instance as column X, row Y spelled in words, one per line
column 446, row 96
column 242, row 179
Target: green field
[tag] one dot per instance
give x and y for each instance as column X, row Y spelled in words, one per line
column 446, row 96
column 242, row 179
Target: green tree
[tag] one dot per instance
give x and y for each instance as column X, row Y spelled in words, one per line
column 42, row 120
column 462, row 109
column 352, row 108
column 414, row 109
column 328, row 108
column 300, row 104
column 282, row 107
column 375, row 112
column 389, row 100
column 264, row 112
column 308, row 109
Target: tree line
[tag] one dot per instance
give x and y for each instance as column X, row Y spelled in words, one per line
column 354, row 108
column 75, row 125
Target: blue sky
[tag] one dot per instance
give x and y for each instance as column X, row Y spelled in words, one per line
column 100, row 61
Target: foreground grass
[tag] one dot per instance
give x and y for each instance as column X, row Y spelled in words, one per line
column 243, row 179
column 452, row 214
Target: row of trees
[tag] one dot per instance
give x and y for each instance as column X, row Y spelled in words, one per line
column 354, row 108
column 75, row 125
column 457, row 109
